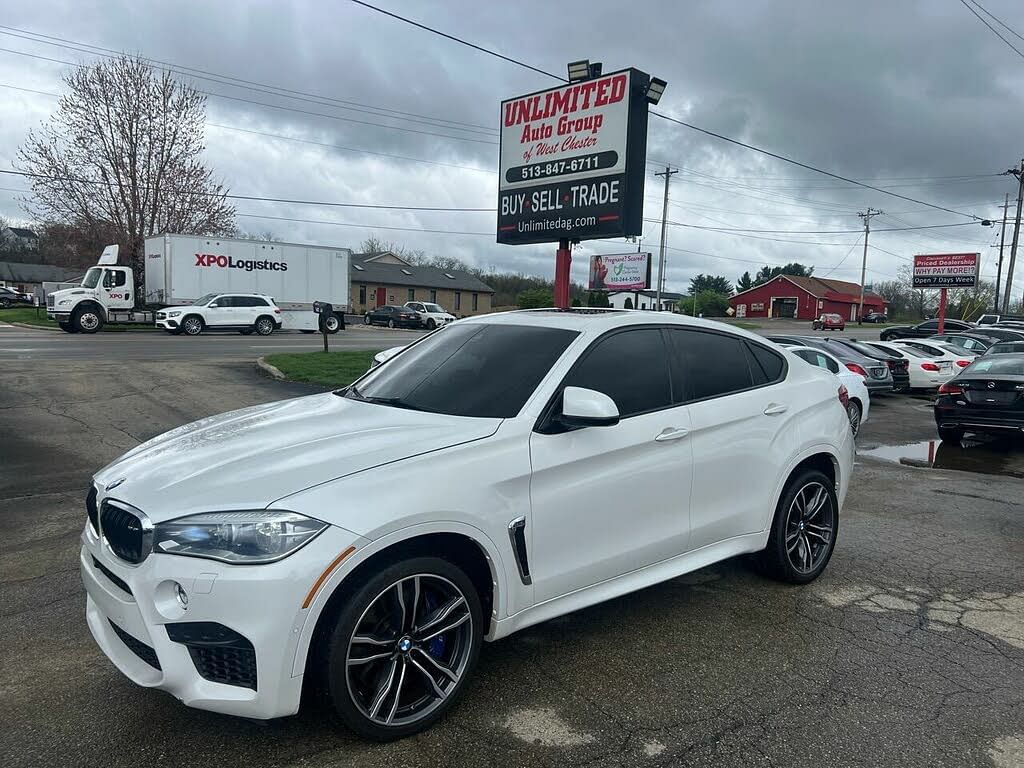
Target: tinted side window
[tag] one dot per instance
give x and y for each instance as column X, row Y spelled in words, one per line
column 771, row 364
column 714, row 364
column 930, row 325
column 630, row 367
column 256, row 301
column 224, row 301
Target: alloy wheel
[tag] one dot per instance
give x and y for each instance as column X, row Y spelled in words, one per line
column 192, row 326
column 264, row 326
column 810, row 522
column 853, row 412
column 409, row 650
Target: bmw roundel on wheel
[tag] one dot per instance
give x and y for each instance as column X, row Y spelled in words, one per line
column 307, row 545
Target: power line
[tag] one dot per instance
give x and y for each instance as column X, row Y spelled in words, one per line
column 275, row 90
column 1002, row 23
column 284, row 107
column 318, row 203
column 993, row 29
column 459, row 40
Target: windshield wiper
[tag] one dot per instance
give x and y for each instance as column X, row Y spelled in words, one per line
column 394, row 402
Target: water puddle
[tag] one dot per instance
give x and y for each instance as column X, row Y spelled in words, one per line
column 985, row 456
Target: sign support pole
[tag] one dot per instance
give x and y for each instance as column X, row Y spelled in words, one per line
column 563, row 264
column 942, row 309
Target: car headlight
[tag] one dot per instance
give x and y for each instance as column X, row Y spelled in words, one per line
column 175, row 313
column 244, row 538
column 62, row 302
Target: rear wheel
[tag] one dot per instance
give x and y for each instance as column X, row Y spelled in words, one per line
column 853, row 413
column 4, row 302
column 366, row 319
column 331, row 324
column 391, row 323
column 804, row 530
column 887, row 336
column 192, row 325
column 431, row 325
column 403, row 646
column 264, row 326
column 951, row 435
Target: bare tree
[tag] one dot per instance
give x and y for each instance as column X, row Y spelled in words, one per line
column 265, row 234
column 123, row 150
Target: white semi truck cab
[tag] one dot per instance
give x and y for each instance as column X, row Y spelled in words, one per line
column 106, row 295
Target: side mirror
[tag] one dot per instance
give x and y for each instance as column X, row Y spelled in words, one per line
column 588, row 408
column 214, row 305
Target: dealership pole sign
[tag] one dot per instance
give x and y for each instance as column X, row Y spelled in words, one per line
column 620, row 272
column 946, row 270
column 572, row 161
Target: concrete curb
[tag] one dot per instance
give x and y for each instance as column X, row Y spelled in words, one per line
column 267, row 369
column 31, row 327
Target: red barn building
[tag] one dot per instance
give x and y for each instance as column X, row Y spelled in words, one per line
column 804, row 298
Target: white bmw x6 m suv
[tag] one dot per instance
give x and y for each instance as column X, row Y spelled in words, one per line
column 513, row 468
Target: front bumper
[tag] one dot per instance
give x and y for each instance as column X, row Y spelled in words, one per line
column 59, row 317
column 262, row 603
column 167, row 323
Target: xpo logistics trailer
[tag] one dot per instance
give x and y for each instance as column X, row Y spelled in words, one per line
column 182, row 268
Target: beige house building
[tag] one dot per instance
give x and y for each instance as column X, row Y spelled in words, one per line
column 386, row 278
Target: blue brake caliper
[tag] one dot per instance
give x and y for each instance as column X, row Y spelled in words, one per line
column 437, row 645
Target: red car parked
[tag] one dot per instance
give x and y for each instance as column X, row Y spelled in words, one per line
column 829, row 322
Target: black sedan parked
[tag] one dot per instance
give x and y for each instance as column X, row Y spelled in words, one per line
column 988, row 396
column 900, row 367
column 393, row 317
column 975, row 343
column 922, row 330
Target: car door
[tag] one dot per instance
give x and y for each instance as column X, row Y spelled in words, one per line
column 740, row 417
column 609, row 500
column 927, row 328
column 218, row 312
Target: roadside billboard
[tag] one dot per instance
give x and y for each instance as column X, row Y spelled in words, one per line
column 572, row 161
column 946, row 270
column 620, row 272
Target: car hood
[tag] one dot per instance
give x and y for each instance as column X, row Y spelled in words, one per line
column 249, row 458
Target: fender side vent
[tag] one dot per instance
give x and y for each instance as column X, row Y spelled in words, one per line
column 517, row 535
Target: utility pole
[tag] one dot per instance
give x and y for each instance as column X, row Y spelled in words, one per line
column 1002, row 241
column 864, row 262
column 667, row 173
column 1019, row 173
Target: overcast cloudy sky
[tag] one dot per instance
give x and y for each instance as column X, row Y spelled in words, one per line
column 904, row 94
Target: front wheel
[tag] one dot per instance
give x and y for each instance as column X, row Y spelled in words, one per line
column 5, row 303
column 366, row 320
column 887, row 337
column 87, row 320
column 391, row 323
column 192, row 325
column 404, row 644
column 804, row 529
column 431, row 325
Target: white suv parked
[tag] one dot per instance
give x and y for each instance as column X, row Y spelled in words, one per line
column 365, row 542
column 432, row 315
column 243, row 312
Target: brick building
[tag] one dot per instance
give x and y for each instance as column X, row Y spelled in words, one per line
column 386, row 278
column 804, row 298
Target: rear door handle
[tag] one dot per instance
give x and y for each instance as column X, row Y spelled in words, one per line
column 671, row 433
column 775, row 409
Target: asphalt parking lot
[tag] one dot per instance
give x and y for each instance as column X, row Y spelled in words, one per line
column 909, row 651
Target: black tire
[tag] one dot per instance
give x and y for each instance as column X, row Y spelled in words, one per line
column 777, row 560
column 5, row 303
column 367, row 320
column 883, row 336
column 854, row 412
column 344, row 690
column 951, row 435
column 68, row 327
column 331, row 324
column 87, row 320
column 192, row 325
column 265, row 325
column 431, row 325
column 391, row 323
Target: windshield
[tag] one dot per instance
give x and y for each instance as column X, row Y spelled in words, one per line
column 433, row 308
column 864, row 349
column 1000, row 366
column 203, row 300
column 92, row 277
column 479, row 370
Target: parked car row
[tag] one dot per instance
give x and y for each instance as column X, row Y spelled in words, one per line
column 412, row 314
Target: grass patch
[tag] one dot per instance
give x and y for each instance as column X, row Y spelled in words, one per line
column 25, row 315
column 333, row 369
column 29, row 316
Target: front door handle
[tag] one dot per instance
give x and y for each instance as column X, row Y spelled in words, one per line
column 671, row 433
column 775, row 409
